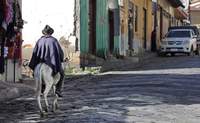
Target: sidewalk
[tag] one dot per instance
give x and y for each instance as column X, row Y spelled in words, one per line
column 9, row 91
column 128, row 63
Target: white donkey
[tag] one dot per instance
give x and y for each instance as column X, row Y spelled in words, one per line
column 43, row 74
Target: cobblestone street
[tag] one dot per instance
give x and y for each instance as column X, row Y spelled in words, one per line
column 164, row 90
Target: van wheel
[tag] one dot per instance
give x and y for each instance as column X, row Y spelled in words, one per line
column 160, row 54
column 172, row 54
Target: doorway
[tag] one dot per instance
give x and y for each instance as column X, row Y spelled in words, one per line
column 131, row 25
column 161, row 23
column 92, row 26
column 111, row 31
column 145, row 28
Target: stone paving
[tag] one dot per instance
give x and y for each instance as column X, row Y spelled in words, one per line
column 164, row 90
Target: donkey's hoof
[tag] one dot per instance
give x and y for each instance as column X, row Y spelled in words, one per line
column 54, row 109
column 46, row 109
column 56, row 106
column 43, row 114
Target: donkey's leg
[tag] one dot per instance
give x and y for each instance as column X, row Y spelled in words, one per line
column 38, row 93
column 46, row 91
column 39, row 101
column 42, row 113
column 55, row 101
column 38, row 82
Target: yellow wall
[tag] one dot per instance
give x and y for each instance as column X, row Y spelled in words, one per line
column 149, row 23
column 124, row 28
column 124, row 15
column 195, row 17
column 138, row 35
column 166, row 6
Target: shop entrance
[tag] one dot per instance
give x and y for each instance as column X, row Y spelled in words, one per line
column 92, row 26
column 144, row 28
column 111, row 31
column 131, row 25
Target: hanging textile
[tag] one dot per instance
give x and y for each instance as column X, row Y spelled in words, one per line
column 9, row 11
column 2, row 50
column 17, row 15
column 18, row 47
column 10, row 24
column 13, row 18
column 9, row 19
column 2, row 36
column 2, row 11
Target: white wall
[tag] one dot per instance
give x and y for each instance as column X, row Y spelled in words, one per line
column 37, row 13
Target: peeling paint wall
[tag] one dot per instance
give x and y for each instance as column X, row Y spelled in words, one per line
column 138, row 41
column 77, row 23
column 195, row 18
column 124, row 28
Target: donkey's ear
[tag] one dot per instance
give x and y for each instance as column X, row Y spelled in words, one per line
column 66, row 60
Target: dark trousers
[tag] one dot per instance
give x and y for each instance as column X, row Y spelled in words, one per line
column 60, row 82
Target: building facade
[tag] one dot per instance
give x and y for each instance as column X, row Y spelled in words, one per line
column 195, row 12
column 10, row 40
column 115, row 27
column 167, row 13
column 139, row 25
column 126, row 27
column 99, row 27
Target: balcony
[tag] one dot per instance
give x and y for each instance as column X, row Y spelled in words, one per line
column 180, row 14
column 176, row 3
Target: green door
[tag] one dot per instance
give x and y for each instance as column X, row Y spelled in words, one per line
column 102, row 28
column 84, row 17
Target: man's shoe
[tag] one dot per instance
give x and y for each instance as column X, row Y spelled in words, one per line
column 43, row 88
column 59, row 94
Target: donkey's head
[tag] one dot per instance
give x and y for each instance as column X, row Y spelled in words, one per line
column 65, row 63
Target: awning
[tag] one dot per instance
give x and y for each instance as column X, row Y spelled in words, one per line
column 180, row 14
column 176, row 3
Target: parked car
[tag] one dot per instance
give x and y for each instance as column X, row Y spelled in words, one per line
column 196, row 31
column 179, row 41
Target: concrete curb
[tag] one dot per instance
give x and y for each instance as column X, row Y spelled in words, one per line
column 11, row 91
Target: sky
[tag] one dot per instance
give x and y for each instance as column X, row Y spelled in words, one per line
column 37, row 13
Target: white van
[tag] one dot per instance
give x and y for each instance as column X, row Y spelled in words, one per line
column 179, row 41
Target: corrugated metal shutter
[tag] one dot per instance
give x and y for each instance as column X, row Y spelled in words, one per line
column 117, row 31
column 102, row 28
column 84, row 27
